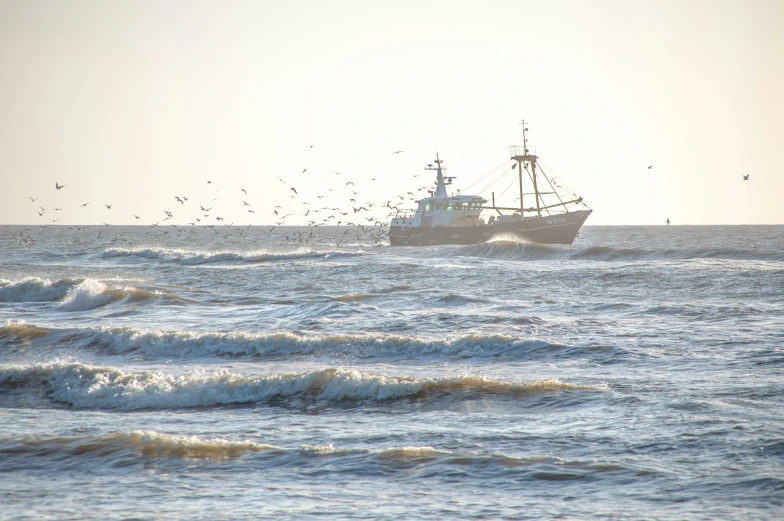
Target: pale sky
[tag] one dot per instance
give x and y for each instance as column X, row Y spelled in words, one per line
column 131, row 103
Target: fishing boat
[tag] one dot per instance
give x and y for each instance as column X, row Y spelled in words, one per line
column 553, row 214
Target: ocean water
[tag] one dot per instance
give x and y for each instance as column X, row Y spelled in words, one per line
column 636, row 374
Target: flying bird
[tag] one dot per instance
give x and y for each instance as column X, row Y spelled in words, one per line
column 108, row 206
column 33, row 200
column 59, row 186
column 136, row 216
column 293, row 190
column 246, row 193
column 668, row 220
column 85, row 204
column 398, row 152
column 746, row 177
column 178, row 199
column 651, row 166
column 349, row 183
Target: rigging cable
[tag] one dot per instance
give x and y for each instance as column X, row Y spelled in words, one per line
column 463, row 189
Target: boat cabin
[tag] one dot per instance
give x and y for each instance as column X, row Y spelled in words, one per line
column 433, row 212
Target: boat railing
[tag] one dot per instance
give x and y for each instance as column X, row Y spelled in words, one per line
column 405, row 214
column 517, row 150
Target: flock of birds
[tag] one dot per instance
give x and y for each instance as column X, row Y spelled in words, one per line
column 365, row 221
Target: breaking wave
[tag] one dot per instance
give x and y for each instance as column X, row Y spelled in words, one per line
column 76, row 294
column 168, row 344
column 115, row 448
column 195, row 258
column 92, row 294
column 85, row 386
column 34, row 289
column 145, row 443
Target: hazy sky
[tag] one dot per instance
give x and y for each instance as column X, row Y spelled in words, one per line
column 130, row 103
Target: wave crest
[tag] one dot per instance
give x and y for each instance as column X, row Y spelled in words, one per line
column 195, row 258
column 93, row 387
column 34, row 289
column 525, row 251
column 166, row 344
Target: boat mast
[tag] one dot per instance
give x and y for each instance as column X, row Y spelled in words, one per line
column 440, row 184
column 521, row 154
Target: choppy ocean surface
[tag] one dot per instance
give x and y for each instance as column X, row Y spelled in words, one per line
column 636, row 374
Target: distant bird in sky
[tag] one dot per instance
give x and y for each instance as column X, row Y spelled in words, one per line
column 180, row 200
column 281, row 180
column 59, row 187
column 398, row 152
column 746, row 177
column 246, row 204
column 33, row 200
column 651, row 166
column 668, row 220
column 311, row 146
column 349, row 183
column 85, row 204
column 305, row 170
column 246, row 193
column 108, row 206
column 136, row 216
column 293, row 189
column 209, row 182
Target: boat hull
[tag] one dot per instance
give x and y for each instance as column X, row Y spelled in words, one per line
column 556, row 229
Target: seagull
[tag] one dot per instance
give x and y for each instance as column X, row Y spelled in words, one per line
column 398, row 152
column 651, row 166
column 209, row 182
column 108, row 206
column 85, row 204
column 668, row 220
column 293, row 190
column 246, row 204
column 180, row 200
column 246, row 193
column 746, row 177
column 349, row 183
column 33, row 200
column 136, row 216
column 58, row 186
column 304, row 170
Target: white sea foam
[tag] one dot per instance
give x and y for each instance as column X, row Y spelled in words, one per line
column 193, row 258
column 187, row 343
column 94, row 387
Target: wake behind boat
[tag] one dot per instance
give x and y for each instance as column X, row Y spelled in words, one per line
column 554, row 215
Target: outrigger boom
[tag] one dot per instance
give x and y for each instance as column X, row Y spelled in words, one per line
column 445, row 219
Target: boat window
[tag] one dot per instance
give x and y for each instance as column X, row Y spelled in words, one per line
column 449, row 208
column 427, row 207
